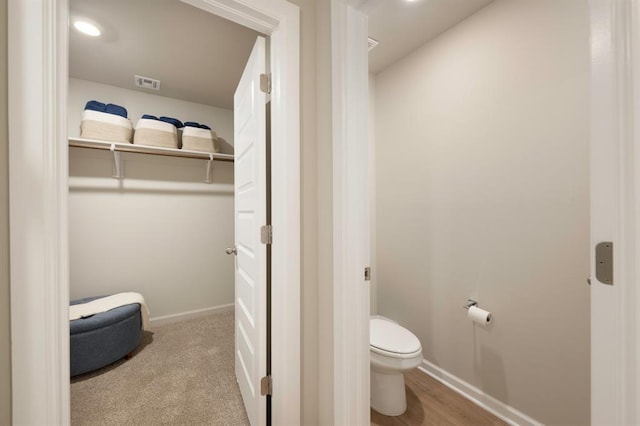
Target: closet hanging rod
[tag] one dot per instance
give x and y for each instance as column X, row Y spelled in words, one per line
column 143, row 149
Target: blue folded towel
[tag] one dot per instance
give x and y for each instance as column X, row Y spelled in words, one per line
column 116, row 110
column 150, row 117
column 173, row 121
column 194, row 124
column 96, row 106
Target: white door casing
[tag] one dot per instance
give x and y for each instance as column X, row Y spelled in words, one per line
column 615, row 191
column 350, row 215
column 250, row 185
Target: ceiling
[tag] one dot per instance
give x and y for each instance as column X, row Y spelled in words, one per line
column 197, row 56
column 402, row 26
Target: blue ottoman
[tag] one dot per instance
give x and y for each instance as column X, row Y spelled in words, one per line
column 103, row 338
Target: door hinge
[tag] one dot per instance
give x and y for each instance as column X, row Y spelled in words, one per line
column 367, row 273
column 265, row 83
column 604, row 262
column 266, row 234
column 266, row 385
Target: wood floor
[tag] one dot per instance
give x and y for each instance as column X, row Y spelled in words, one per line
column 429, row 402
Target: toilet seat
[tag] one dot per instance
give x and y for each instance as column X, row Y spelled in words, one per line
column 395, row 354
column 390, row 339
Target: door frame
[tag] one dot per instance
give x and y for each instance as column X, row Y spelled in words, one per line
column 615, row 193
column 615, row 151
column 38, row 180
column 351, row 304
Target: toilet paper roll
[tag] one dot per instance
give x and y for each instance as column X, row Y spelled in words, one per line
column 479, row 316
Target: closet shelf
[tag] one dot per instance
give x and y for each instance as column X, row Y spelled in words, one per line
column 118, row 147
column 143, row 149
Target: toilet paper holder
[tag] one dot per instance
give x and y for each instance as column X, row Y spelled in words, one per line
column 470, row 303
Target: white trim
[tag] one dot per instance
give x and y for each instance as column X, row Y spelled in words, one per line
column 615, row 151
column 184, row 316
column 38, row 211
column 498, row 408
column 373, row 232
column 285, row 216
column 350, row 215
column 38, row 204
column 257, row 16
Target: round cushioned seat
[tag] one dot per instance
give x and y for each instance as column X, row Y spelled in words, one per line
column 103, row 338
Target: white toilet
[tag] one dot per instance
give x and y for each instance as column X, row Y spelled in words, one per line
column 394, row 350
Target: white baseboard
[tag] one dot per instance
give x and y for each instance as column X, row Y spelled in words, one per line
column 477, row 396
column 183, row 316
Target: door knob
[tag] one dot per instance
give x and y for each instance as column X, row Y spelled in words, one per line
column 232, row 250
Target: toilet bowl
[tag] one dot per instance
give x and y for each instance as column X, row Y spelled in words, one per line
column 393, row 350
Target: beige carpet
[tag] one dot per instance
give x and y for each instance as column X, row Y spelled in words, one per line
column 181, row 374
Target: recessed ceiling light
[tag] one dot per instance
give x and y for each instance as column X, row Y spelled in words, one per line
column 87, row 28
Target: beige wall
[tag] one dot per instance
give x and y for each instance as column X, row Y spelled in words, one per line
column 483, row 192
column 5, row 330
column 141, row 234
column 324, row 217
column 313, row 83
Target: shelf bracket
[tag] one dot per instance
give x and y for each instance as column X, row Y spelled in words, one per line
column 209, row 172
column 117, row 163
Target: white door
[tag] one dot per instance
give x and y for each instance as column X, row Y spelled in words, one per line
column 250, row 215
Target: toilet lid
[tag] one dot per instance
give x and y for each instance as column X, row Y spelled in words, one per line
column 391, row 337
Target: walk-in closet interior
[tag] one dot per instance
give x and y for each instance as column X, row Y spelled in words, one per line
column 151, row 214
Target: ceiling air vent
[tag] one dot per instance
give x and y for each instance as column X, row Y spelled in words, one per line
column 371, row 43
column 147, row 83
